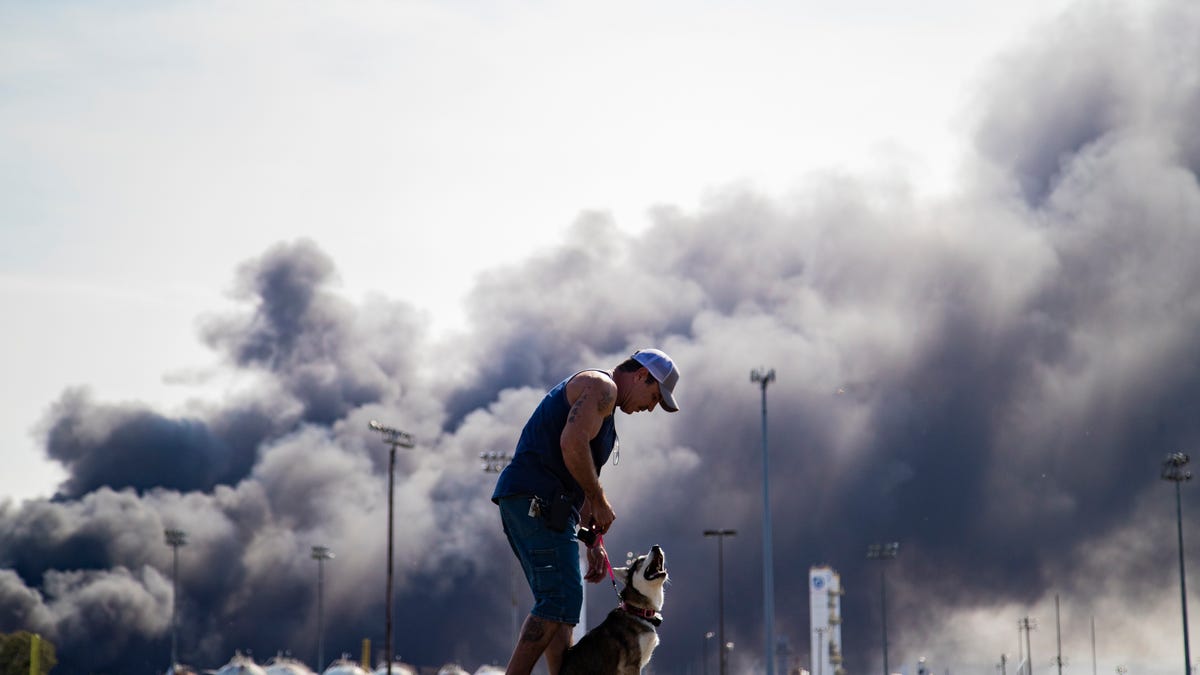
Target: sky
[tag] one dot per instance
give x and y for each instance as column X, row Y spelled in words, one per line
column 961, row 233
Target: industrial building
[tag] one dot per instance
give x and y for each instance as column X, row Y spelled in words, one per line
column 825, row 621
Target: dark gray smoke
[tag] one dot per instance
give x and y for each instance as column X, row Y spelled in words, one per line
column 328, row 355
column 991, row 379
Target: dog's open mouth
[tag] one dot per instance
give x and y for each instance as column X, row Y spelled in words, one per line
column 656, row 565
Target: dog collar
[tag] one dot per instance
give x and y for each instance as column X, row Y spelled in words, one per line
column 647, row 614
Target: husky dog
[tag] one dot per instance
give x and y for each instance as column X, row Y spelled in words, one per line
column 622, row 644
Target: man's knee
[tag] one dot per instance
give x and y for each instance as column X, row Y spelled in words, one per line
column 537, row 629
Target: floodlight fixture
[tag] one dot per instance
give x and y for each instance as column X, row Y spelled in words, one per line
column 494, row 462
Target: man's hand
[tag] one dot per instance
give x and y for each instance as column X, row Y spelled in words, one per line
column 596, row 565
column 602, row 513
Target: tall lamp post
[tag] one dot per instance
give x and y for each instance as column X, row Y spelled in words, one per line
column 708, row 635
column 763, row 377
column 882, row 553
column 720, row 535
column 321, row 554
column 175, row 539
column 1173, row 471
column 494, row 462
column 394, row 438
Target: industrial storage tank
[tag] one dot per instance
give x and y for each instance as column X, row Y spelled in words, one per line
column 282, row 665
column 398, row 668
column 487, row 669
column 452, row 669
column 241, row 665
column 344, row 666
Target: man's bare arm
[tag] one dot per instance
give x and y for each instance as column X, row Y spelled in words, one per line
column 592, row 396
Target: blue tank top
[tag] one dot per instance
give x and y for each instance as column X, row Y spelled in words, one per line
column 537, row 467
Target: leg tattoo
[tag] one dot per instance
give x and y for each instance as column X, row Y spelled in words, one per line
column 535, row 630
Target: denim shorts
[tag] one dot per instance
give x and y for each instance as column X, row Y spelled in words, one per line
column 550, row 560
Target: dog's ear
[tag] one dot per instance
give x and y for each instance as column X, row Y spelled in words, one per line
column 621, row 573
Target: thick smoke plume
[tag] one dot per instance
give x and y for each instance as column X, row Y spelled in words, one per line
column 990, row 379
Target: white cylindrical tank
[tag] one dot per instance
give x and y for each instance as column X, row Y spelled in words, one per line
column 241, row 665
column 487, row 669
column 282, row 665
column 398, row 668
column 452, row 669
column 344, row 666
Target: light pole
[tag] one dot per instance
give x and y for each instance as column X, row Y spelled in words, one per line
column 1058, row 660
column 720, row 535
column 321, row 554
column 1173, row 471
column 882, row 553
column 394, row 438
column 763, row 377
column 175, row 539
column 783, row 653
column 494, row 462
column 1093, row 645
column 709, row 635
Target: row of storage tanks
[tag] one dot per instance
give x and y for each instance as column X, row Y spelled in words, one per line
column 281, row 665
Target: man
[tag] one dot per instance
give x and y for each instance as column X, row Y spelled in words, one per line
column 552, row 486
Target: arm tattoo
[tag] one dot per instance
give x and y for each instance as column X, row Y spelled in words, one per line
column 577, row 407
column 605, row 402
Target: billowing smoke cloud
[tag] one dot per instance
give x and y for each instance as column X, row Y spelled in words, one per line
column 990, row 379
column 329, row 356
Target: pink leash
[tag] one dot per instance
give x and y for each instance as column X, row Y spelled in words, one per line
column 611, row 575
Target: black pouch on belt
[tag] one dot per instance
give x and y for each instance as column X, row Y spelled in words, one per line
column 559, row 514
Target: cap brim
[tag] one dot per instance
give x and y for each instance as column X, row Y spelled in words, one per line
column 668, row 399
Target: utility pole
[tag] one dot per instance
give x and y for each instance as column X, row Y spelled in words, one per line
column 763, row 377
column 1027, row 624
column 720, row 535
column 394, row 438
column 321, row 554
column 1002, row 666
column 1020, row 650
column 1173, row 471
column 175, row 539
column 883, row 553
